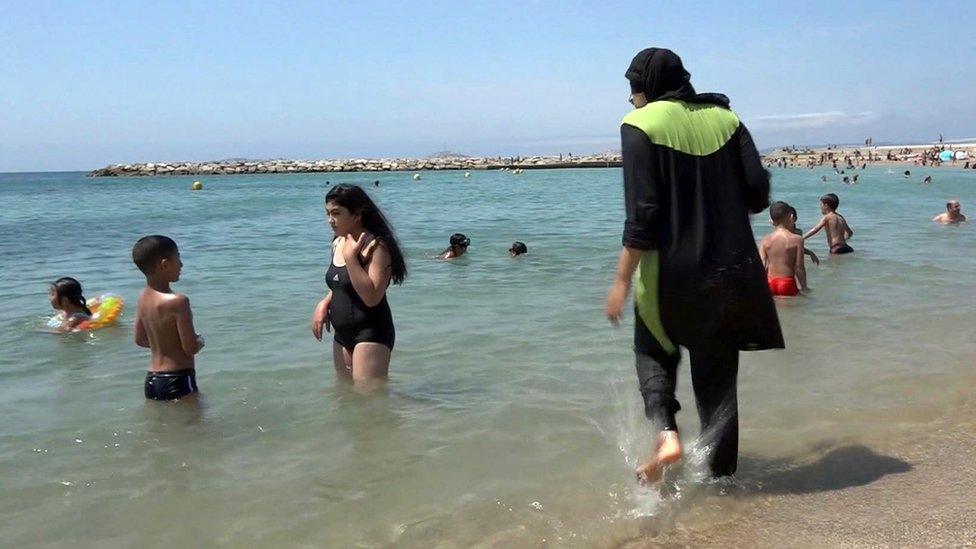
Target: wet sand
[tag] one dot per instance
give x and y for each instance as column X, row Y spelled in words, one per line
column 915, row 488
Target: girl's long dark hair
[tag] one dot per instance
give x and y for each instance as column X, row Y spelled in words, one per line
column 70, row 289
column 354, row 199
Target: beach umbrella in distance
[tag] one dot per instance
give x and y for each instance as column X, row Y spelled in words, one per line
column 945, row 156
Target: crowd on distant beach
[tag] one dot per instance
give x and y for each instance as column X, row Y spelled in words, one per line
column 855, row 158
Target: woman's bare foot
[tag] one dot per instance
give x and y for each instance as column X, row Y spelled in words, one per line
column 668, row 451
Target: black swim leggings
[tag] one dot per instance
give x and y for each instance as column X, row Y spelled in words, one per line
column 713, row 378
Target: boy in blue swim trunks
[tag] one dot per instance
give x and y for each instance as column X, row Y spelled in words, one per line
column 164, row 322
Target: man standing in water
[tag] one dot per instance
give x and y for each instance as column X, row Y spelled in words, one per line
column 692, row 176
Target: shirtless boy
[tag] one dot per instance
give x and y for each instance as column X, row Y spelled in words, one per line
column 164, row 322
column 796, row 230
column 837, row 229
column 781, row 252
column 953, row 214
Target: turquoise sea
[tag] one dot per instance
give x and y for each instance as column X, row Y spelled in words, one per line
column 512, row 416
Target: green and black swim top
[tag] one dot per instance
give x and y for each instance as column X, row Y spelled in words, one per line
column 692, row 176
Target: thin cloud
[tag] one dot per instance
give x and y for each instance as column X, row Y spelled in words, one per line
column 577, row 141
column 811, row 119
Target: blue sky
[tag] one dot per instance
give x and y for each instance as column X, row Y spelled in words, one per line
column 84, row 84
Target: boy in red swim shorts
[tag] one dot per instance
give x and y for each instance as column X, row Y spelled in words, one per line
column 781, row 252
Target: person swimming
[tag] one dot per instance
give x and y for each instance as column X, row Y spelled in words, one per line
column 66, row 296
column 517, row 249
column 458, row 246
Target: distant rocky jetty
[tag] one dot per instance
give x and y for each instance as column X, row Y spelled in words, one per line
column 437, row 162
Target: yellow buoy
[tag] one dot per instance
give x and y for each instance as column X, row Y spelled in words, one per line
column 416, row 177
column 197, row 186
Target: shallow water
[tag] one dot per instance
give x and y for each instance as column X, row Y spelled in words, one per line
column 512, row 415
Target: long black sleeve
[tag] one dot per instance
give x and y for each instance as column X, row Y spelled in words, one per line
column 757, row 178
column 640, row 189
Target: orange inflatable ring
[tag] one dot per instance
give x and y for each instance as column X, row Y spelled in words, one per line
column 106, row 310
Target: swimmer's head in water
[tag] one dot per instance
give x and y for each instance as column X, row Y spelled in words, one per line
column 67, row 289
column 157, row 255
column 829, row 203
column 459, row 241
column 350, row 210
column 780, row 212
column 517, row 249
column 953, row 206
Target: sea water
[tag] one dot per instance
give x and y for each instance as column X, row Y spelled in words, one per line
column 512, row 415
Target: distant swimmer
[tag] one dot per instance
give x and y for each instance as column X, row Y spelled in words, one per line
column 781, row 252
column 376, row 183
column 847, row 180
column 953, row 215
column 838, row 231
column 517, row 249
column 854, row 181
column 66, row 296
column 823, row 178
column 908, row 174
column 927, row 180
column 459, row 245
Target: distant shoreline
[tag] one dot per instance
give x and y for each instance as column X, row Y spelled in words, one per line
column 849, row 157
column 457, row 163
column 894, row 155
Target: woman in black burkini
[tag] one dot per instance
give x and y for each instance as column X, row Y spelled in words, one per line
column 365, row 260
column 691, row 177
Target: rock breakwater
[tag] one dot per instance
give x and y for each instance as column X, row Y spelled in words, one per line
column 241, row 167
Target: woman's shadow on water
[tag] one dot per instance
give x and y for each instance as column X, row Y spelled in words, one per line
column 839, row 468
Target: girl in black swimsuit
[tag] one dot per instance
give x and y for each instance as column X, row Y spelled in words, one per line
column 365, row 259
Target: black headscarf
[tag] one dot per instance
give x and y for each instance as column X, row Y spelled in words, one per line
column 659, row 74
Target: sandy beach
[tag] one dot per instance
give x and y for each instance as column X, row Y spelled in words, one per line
column 854, row 157
column 911, row 488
